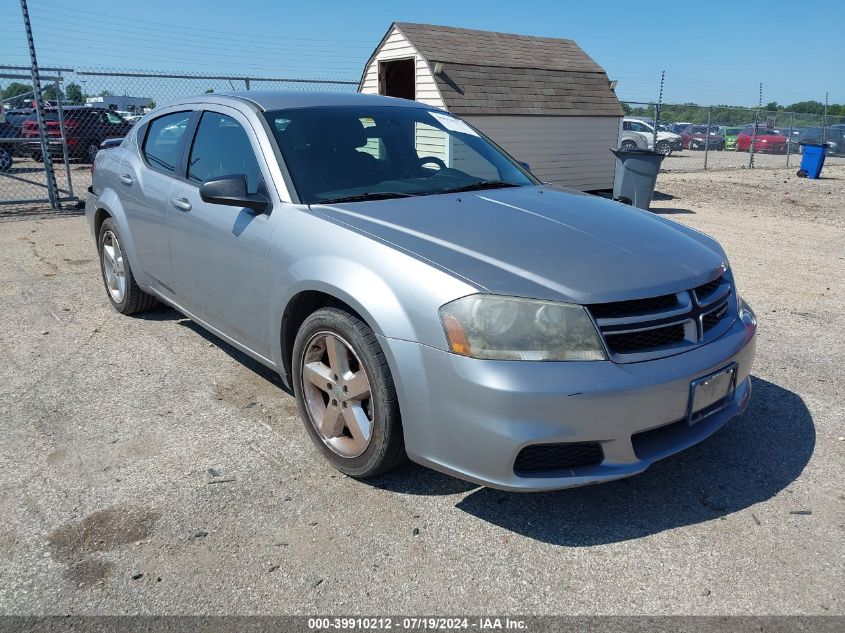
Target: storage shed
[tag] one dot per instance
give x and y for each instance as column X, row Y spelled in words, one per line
column 542, row 99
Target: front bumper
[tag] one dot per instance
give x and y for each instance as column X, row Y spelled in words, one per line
column 470, row 418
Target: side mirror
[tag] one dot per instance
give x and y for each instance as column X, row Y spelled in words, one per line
column 525, row 165
column 231, row 191
column 111, row 142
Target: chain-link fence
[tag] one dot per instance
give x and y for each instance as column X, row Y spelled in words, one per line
column 720, row 137
column 84, row 107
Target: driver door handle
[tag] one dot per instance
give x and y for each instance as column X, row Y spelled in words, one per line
column 126, row 179
column 181, row 203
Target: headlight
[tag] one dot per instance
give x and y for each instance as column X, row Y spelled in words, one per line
column 510, row 328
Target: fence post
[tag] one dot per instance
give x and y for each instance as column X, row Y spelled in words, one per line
column 789, row 140
column 246, row 82
column 52, row 189
column 656, row 123
column 753, row 140
column 64, row 137
column 707, row 139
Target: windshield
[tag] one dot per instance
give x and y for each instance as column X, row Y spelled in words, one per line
column 352, row 153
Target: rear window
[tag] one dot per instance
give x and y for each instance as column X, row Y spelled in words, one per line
column 164, row 140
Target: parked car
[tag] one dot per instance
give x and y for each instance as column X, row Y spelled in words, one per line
column 633, row 140
column 667, row 142
column 766, row 140
column 449, row 308
column 834, row 139
column 7, row 150
column 696, row 137
column 677, row 128
column 729, row 134
column 85, row 129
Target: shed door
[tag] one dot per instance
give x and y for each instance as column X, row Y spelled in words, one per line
column 397, row 78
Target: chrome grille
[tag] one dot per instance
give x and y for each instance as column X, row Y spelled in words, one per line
column 662, row 325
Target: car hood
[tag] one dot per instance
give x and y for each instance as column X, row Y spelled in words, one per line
column 542, row 242
column 668, row 136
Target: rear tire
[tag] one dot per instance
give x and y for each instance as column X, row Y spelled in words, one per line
column 91, row 149
column 628, row 145
column 121, row 288
column 664, row 147
column 334, row 354
column 5, row 159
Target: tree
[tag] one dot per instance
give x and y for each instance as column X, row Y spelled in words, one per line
column 51, row 94
column 74, row 94
column 807, row 107
column 209, row 91
column 106, row 93
column 772, row 106
column 13, row 90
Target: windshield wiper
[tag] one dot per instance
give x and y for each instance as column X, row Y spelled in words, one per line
column 370, row 195
column 481, row 184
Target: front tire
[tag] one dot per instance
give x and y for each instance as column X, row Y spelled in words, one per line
column 664, row 147
column 628, row 145
column 121, row 288
column 345, row 394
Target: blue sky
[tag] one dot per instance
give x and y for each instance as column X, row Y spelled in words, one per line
column 713, row 55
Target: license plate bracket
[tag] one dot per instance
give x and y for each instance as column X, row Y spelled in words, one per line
column 711, row 393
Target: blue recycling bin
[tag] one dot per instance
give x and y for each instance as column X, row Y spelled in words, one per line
column 812, row 160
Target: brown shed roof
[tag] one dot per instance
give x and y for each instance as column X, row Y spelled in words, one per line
column 501, row 73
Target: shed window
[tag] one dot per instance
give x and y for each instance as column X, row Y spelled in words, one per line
column 397, row 78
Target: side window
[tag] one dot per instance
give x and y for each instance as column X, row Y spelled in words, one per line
column 222, row 148
column 161, row 148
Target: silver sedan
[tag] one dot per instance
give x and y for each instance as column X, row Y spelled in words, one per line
column 421, row 292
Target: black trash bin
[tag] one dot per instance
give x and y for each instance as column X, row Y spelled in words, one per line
column 636, row 175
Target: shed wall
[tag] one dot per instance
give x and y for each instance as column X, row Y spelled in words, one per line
column 397, row 47
column 569, row 151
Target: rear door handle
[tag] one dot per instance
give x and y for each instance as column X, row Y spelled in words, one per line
column 126, row 179
column 181, row 203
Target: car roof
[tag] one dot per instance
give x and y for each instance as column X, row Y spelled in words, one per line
column 282, row 99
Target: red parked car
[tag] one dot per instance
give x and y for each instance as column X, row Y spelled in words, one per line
column 85, row 127
column 695, row 137
column 767, row 140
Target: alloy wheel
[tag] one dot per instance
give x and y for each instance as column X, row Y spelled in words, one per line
column 113, row 268
column 336, row 390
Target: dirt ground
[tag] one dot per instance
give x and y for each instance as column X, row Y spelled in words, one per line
column 150, row 468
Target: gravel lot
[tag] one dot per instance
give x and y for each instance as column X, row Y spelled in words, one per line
column 150, row 468
column 693, row 160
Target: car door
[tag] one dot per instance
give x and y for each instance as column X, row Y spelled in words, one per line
column 219, row 252
column 145, row 177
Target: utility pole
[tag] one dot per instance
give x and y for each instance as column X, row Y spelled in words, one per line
column 52, row 188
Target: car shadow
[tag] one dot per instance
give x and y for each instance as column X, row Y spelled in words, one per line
column 750, row 460
column 166, row 313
